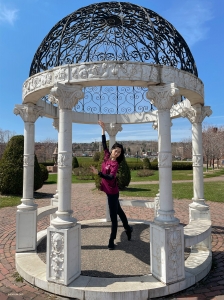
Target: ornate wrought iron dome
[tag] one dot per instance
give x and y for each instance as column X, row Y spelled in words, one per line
column 110, row 31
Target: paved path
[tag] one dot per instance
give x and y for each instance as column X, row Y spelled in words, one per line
column 89, row 204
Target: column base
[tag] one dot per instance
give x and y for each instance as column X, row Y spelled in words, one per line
column 167, row 253
column 26, row 230
column 199, row 211
column 63, row 254
column 166, row 218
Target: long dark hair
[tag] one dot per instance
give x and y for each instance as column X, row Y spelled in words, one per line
column 121, row 156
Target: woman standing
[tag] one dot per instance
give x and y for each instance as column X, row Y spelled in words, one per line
column 109, row 185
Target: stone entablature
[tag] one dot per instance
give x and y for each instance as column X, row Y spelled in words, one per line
column 113, row 74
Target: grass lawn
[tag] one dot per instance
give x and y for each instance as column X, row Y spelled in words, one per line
column 6, row 201
column 213, row 191
column 52, row 178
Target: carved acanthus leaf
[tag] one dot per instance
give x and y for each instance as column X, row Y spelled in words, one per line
column 29, row 112
column 66, row 96
column 196, row 113
column 163, row 97
column 113, row 128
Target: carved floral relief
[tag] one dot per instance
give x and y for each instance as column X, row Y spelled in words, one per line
column 28, row 160
column 57, row 255
column 164, row 160
column 174, row 253
column 63, row 160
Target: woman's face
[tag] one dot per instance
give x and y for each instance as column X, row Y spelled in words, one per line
column 115, row 153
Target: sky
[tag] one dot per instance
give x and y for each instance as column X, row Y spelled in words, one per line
column 24, row 24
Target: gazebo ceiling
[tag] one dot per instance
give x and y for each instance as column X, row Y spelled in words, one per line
column 113, row 31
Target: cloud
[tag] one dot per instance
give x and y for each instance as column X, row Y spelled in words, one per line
column 190, row 19
column 8, row 15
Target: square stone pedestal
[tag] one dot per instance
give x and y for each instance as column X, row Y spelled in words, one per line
column 26, row 230
column 63, row 254
column 167, row 252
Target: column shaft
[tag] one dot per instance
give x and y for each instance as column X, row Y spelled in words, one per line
column 28, row 166
column 65, row 160
column 197, row 154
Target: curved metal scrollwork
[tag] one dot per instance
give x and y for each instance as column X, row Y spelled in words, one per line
column 111, row 31
column 113, row 100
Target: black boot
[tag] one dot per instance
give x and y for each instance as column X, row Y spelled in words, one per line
column 128, row 232
column 111, row 245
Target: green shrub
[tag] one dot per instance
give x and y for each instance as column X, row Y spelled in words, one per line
column 11, row 168
column 145, row 173
column 38, row 179
column 96, row 156
column 75, row 163
column 123, row 175
column 146, row 163
column 83, row 173
column 154, row 165
column 182, row 165
column 44, row 172
column 48, row 163
column 135, row 165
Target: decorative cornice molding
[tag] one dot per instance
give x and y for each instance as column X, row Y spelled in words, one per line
column 29, row 112
column 112, row 128
column 196, row 113
column 163, row 97
column 66, row 97
column 143, row 74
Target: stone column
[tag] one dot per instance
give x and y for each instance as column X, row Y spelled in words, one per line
column 64, row 234
column 196, row 114
column 26, row 216
column 166, row 235
column 54, row 200
column 112, row 130
column 156, row 199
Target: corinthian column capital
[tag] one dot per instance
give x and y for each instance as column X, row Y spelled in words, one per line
column 112, row 128
column 163, row 97
column 65, row 96
column 55, row 124
column 29, row 112
column 196, row 113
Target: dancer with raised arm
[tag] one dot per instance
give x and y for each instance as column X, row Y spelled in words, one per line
column 109, row 185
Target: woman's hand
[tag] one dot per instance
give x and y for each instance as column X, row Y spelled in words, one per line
column 94, row 170
column 102, row 125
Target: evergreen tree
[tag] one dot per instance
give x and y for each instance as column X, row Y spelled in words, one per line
column 96, row 156
column 11, row 168
column 75, row 163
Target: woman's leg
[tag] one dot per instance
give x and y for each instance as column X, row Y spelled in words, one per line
column 122, row 216
column 113, row 206
column 124, row 220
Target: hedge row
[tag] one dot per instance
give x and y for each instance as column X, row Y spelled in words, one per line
column 182, row 165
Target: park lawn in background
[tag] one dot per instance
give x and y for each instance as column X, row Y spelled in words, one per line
column 176, row 175
column 52, row 179
column 213, row 191
column 6, row 201
column 213, row 173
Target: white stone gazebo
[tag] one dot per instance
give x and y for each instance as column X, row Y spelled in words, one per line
column 123, row 64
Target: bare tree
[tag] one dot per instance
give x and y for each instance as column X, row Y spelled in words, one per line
column 5, row 136
column 45, row 149
column 213, row 144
